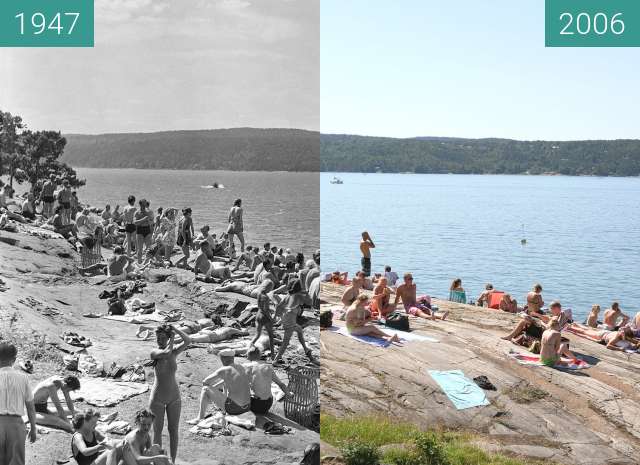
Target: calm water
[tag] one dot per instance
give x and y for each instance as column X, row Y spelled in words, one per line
column 583, row 234
column 282, row 208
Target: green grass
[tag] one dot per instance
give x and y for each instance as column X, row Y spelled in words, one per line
column 357, row 436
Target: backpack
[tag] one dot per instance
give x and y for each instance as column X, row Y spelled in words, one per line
column 326, row 319
column 397, row 320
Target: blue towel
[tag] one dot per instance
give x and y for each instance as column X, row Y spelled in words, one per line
column 460, row 390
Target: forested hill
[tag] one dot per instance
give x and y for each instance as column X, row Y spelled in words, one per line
column 239, row 149
column 478, row 156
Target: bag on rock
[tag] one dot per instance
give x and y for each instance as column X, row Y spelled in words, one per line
column 397, row 320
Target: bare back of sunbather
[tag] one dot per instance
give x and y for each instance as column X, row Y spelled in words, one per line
column 217, row 335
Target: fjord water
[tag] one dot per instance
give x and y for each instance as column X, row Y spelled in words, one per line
column 583, row 233
column 279, row 207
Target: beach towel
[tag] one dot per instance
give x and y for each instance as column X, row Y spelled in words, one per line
column 403, row 335
column 531, row 359
column 460, row 390
column 102, row 392
column 155, row 317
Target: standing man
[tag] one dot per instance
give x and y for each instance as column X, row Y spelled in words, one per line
column 47, row 196
column 16, row 396
column 64, row 199
column 366, row 244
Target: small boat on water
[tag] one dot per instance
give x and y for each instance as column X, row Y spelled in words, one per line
column 336, row 180
column 215, row 185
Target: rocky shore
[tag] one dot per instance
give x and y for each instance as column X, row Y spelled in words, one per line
column 43, row 296
column 585, row 417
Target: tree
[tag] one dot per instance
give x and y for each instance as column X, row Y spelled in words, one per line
column 10, row 144
column 41, row 151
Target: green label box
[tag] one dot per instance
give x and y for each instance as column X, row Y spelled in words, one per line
column 46, row 23
column 592, row 23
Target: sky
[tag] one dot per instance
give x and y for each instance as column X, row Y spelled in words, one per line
column 463, row 68
column 169, row 65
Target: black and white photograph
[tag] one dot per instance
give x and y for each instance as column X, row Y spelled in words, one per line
column 160, row 238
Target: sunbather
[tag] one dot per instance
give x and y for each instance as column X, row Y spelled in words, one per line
column 214, row 335
column 208, row 268
column 357, row 316
column 614, row 340
column 551, row 345
column 351, row 292
column 534, row 301
column 381, row 300
column 48, row 390
column 592, row 319
column 228, row 388
column 508, row 304
column 413, row 305
column 532, row 327
column 88, row 446
column 165, row 394
column 261, row 375
column 137, row 448
column 483, row 298
column 250, row 290
column 457, row 292
column 611, row 316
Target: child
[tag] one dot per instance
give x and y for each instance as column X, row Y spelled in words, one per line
column 291, row 304
column 264, row 320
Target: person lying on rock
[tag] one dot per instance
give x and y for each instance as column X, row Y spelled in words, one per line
column 261, row 375
column 250, row 290
column 357, row 325
column 551, row 346
column 48, row 389
column 228, row 388
column 530, row 328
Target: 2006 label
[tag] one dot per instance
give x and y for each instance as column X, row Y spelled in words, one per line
column 585, row 24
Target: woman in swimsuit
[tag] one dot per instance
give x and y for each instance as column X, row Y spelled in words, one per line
column 165, row 394
column 614, row 340
column 143, row 219
column 129, row 226
column 235, row 224
column 592, row 319
column 185, row 237
column 88, row 446
column 357, row 325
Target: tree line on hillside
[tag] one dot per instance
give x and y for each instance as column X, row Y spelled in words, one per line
column 238, row 149
column 31, row 156
column 349, row 153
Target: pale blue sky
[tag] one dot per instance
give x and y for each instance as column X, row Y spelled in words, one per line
column 465, row 68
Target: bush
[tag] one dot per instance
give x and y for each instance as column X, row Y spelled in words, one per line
column 359, row 453
column 402, row 457
column 431, row 449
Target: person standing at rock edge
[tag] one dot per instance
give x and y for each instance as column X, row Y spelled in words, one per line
column 366, row 244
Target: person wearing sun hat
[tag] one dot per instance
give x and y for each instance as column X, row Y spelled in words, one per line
column 228, row 388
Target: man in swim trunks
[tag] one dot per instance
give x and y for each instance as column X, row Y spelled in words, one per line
column 366, row 244
column 64, row 199
column 261, row 375
column 208, row 268
column 228, row 388
column 551, row 345
column 48, row 389
column 413, row 305
column 47, row 197
column 214, row 335
column 611, row 316
column 129, row 226
column 534, row 301
column 351, row 292
column 532, row 327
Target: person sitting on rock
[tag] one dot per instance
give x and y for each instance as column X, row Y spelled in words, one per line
column 208, row 268
column 485, row 296
column 531, row 328
column 611, row 316
column 592, row 319
column 551, row 346
column 48, row 389
column 508, row 304
column 357, row 325
column 351, row 292
column 261, row 375
column 381, row 300
column 419, row 307
column 534, row 301
column 228, row 388
column 137, row 448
